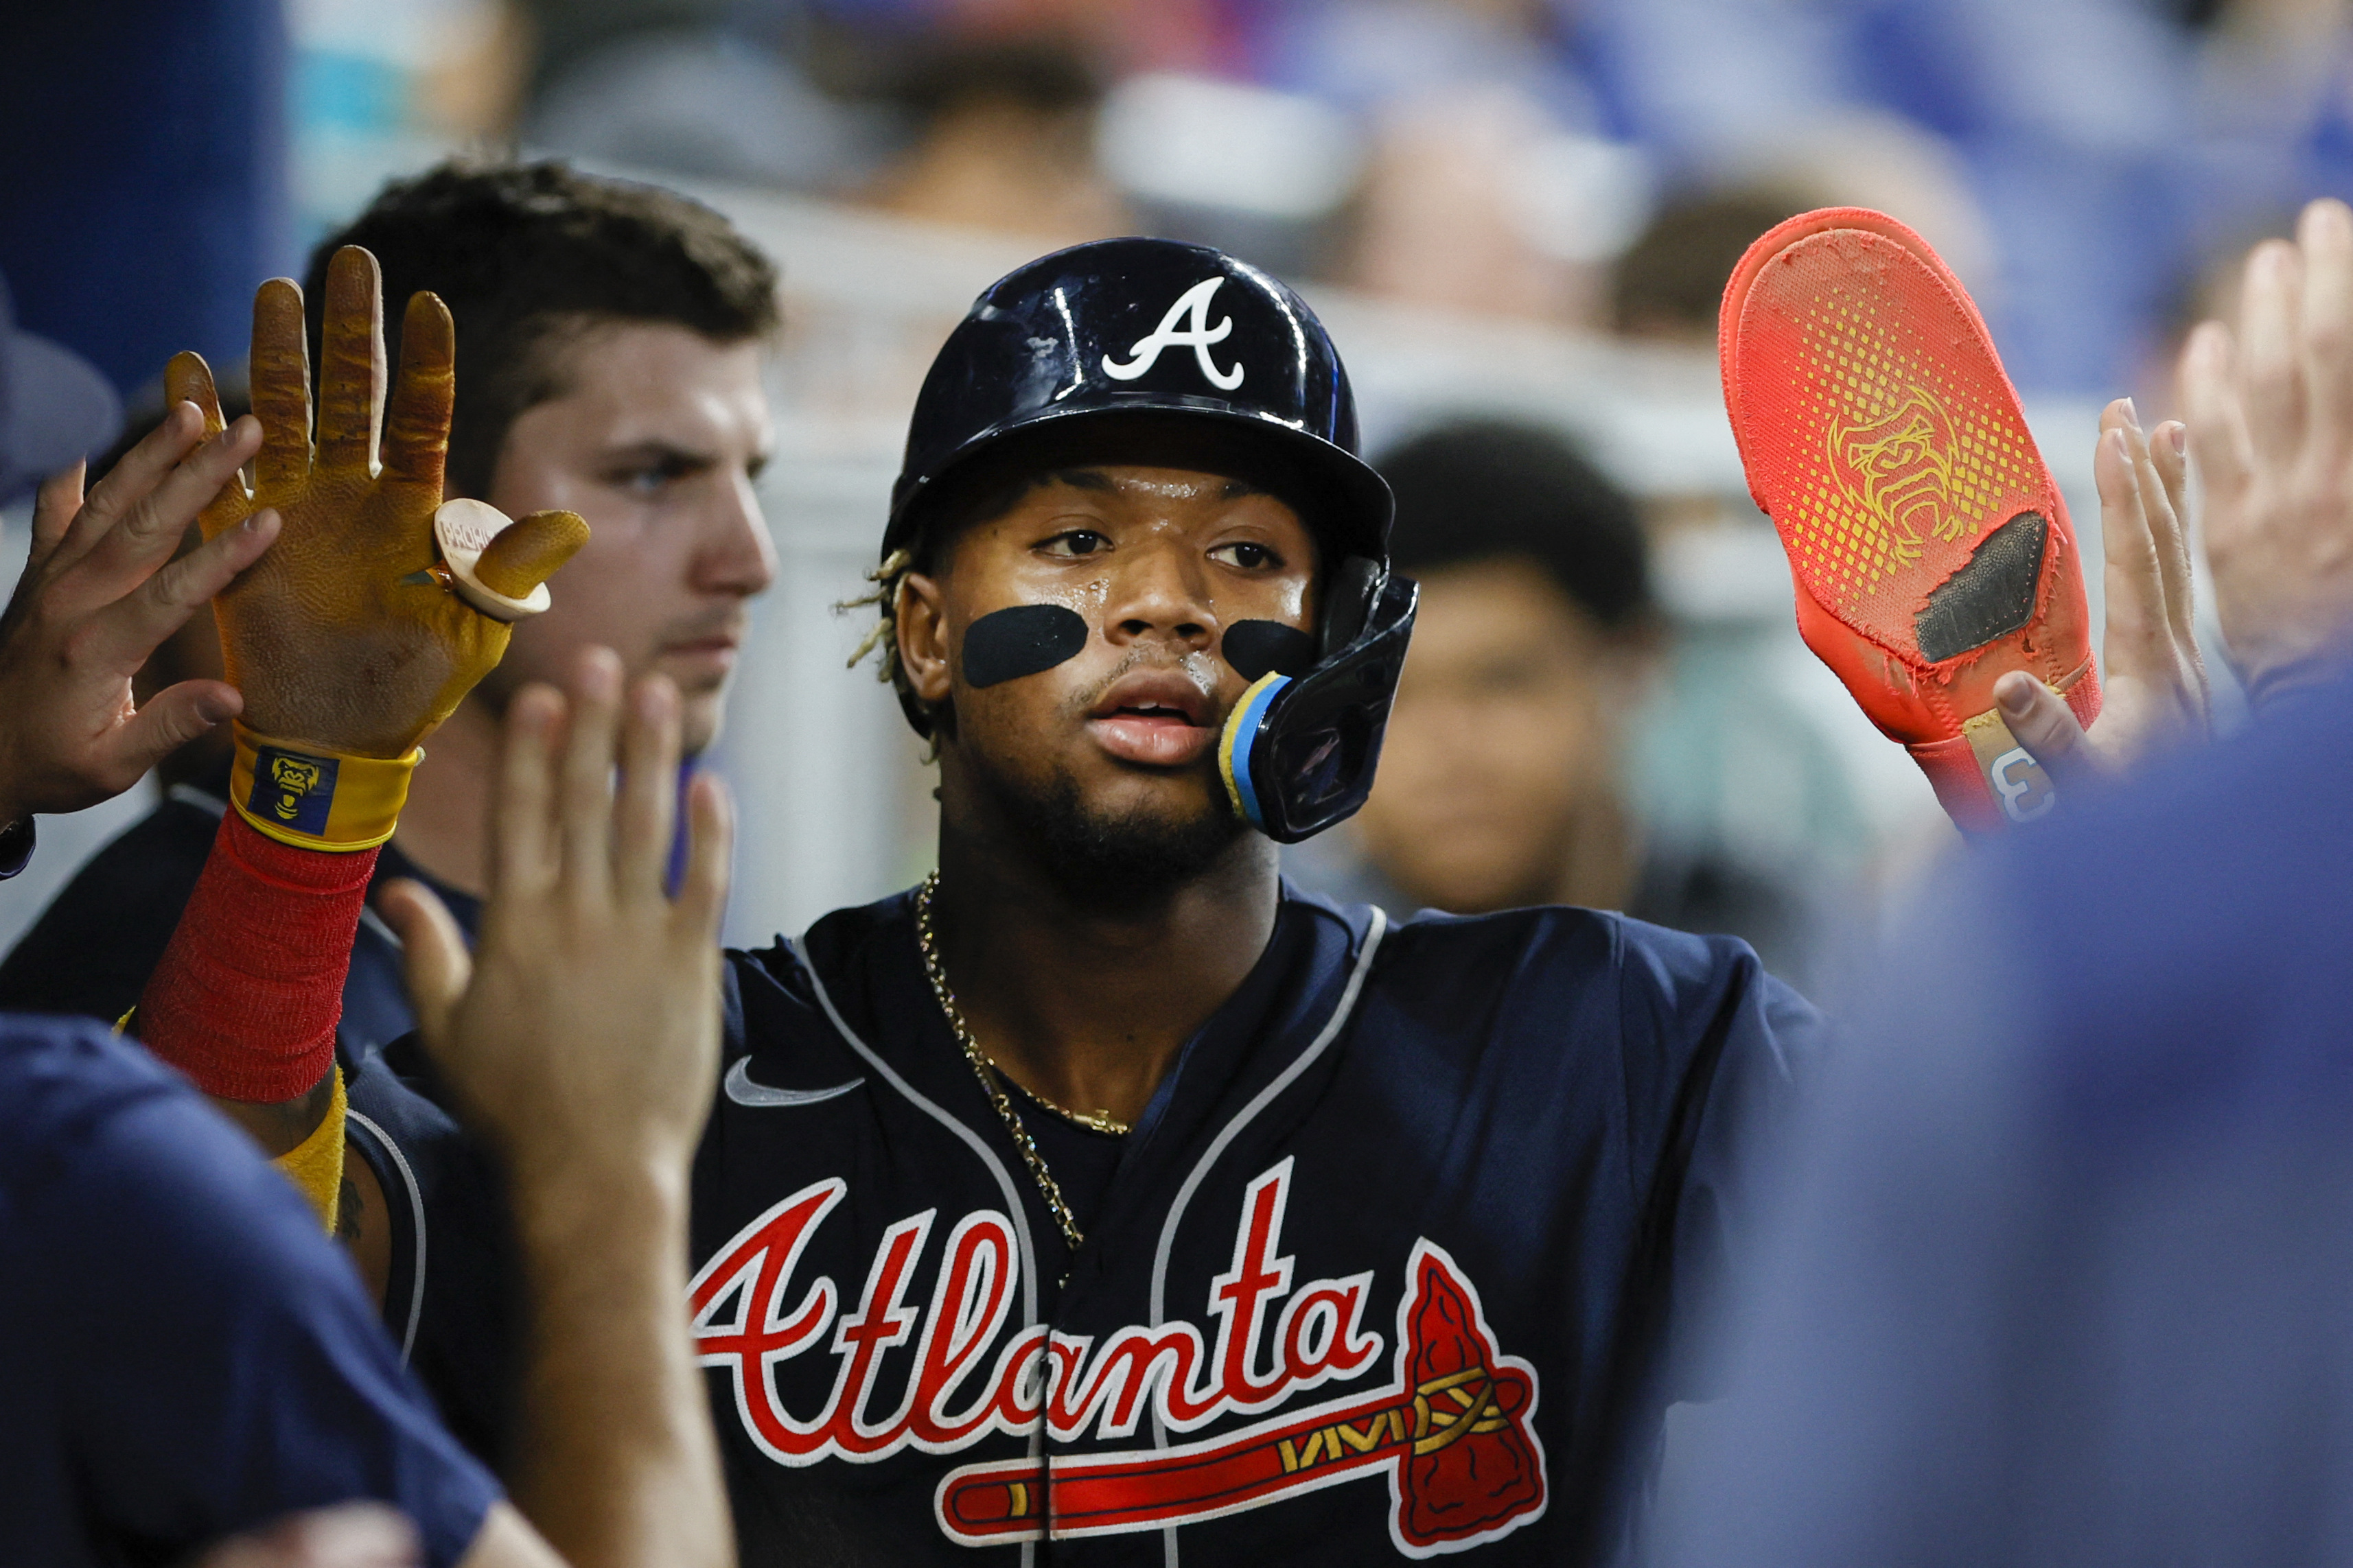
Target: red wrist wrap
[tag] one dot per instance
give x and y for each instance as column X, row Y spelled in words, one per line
column 246, row 997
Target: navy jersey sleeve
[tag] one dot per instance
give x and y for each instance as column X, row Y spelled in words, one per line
column 201, row 1356
column 1715, row 1051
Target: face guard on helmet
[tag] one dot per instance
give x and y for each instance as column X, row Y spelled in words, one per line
column 1123, row 326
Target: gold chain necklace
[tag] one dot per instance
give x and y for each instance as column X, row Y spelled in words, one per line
column 992, row 1076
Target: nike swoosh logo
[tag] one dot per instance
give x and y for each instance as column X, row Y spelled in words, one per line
column 743, row 1091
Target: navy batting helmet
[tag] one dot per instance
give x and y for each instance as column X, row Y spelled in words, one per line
column 1124, row 327
column 1130, row 326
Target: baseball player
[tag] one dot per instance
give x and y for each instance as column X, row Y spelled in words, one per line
column 1102, row 1199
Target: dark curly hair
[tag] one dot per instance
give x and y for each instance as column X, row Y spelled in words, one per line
column 1484, row 489
column 526, row 255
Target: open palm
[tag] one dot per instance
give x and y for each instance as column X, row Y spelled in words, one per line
column 347, row 636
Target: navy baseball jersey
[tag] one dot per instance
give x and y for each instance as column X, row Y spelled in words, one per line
column 1390, row 1266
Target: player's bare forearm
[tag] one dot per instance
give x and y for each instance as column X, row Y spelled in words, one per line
column 620, row 1469
column 581, row 1037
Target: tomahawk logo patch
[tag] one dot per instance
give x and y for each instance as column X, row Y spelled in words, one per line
column 1195, row 334
column 1449, row 1430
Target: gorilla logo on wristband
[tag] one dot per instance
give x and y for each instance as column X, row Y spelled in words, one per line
column 295, row 777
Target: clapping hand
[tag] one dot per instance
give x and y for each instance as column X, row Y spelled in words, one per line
column 584, row 1031
column 2153, row 678
column 99, row 592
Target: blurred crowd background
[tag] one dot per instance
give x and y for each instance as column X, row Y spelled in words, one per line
column 1516, row 215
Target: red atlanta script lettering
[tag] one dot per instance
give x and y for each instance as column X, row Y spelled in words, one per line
column 752, row 1313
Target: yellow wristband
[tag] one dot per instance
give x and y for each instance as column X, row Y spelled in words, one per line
column 316, row 1164
column 317, row 800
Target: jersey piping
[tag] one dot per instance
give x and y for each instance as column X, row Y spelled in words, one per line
column 972, row 1139
column 417, row 1213
column 1232, row 1129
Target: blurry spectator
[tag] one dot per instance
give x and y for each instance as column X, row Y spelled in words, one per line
column 1001, row 136
column 565, row 32
column 144, row 176
column 2066, row 118
column 1669, row 284
column 1503, row 777
column 2273, row 114
column 707, row 88
column 1365, row 55
column 1445, row 218
column 1243, row 168
column 1125, row 36
column 1491, row 184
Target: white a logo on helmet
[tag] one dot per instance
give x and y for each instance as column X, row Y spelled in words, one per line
column 1195, row 334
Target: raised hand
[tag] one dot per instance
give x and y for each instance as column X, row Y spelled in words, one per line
column 2153, row 678
column 99, row 592
column 351, row 637
column 582, row 1038
column 584, row 1031
column 2270, row 423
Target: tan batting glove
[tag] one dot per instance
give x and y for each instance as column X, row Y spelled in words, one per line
column 356, row 636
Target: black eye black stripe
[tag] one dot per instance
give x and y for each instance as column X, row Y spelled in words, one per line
column 1025, row 639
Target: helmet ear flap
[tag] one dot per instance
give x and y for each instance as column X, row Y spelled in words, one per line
column 1299, row 752
column 1348, row 601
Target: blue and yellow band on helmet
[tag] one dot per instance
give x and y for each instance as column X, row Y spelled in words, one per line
column 1234, row 746
column 318, row 800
